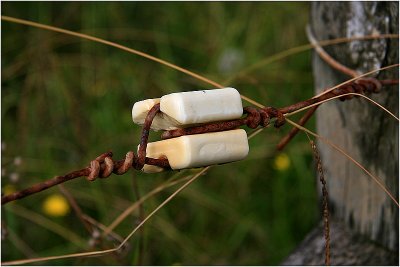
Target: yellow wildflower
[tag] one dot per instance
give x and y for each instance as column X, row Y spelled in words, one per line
column 282, row 162
column 55, row 205
column 9, row 189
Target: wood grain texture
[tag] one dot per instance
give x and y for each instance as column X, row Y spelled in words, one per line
column 358, row 206
column 364, row 131
column 347, row 248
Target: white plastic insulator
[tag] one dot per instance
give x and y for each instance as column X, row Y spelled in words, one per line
column 202, row 106
column 191, row 151
column 190, row 108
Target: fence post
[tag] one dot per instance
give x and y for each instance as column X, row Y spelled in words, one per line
column 365, row 219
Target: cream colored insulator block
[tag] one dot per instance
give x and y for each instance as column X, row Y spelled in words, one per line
column 203, row 106
column 190, row 108
column 191, row 151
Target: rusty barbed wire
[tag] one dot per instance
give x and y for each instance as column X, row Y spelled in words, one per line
column 327, row 58
column 335, row 65
column 325, row 207
column 255, row 117
column 103, row 166
column 377, row 83
column 262, row 116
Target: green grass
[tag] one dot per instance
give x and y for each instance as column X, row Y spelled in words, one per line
column 66, row 100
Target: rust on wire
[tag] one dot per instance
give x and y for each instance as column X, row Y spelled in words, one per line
column 284, row 141
column 103, row 166
column 262, row 117
column 327, row 58
column 255, row 117
column 145, row 136
column 325, row 207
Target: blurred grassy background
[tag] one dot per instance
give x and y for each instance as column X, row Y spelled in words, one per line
column 66, row 100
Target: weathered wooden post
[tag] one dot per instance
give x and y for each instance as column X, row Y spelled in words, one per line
column 364, row 220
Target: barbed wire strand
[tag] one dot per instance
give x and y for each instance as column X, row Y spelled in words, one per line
column 103, row 166
column 325, row 199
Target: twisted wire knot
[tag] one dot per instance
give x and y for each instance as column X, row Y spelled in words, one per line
column 103, row 166
column 262, row 117
column 365, row 85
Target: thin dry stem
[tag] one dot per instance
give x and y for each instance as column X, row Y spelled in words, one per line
column 20, row 244
column 355, row 78
column 327, row 58
column 135, row 205
column 135, row 189
column 124, row 48
column 196, row 76
column 48, row 224
column 102, row 227
column 255, row 132
column 103, row 252
column 339, row 96
column 75, row 207
column 374, row 178
column 303, row 48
